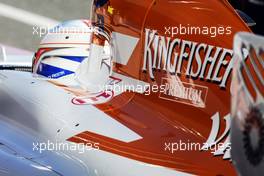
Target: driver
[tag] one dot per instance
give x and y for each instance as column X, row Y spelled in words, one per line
column 75, row 54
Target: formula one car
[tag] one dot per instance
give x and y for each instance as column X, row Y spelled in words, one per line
column 143, row 88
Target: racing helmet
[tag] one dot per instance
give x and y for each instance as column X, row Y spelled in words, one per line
column 75, row 52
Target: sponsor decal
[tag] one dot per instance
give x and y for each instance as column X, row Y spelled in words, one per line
column 204, row 62
column 182, row 92
column 99, row 98
column 110, row 10
column 213, row 141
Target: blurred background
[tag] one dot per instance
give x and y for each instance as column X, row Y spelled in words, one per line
column 17, row 16
column 254, row 9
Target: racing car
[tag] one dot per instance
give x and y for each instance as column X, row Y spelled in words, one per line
column 141, row 88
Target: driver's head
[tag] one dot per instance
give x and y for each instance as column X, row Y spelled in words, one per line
column 74, row 51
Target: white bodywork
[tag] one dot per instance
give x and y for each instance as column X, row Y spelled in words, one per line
column 34, row 111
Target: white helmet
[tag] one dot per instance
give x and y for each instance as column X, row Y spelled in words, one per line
column 75, row 52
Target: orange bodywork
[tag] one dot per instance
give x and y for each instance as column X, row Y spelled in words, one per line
column 159, row 120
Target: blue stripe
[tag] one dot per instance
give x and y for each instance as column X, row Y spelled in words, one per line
column 52, row 72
